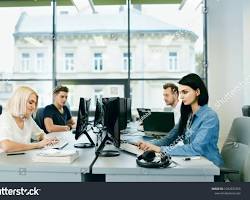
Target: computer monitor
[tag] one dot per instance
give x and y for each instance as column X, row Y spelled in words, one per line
column 123, row 114
column 99, row 115
column 111, row 107
column 128, row 108
column 82, row 123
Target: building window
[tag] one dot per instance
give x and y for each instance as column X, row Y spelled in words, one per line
column 98, row 62
column 40, row 62
column 173, row 61
column 25, row 62
column 125, row 61
column 69, row 64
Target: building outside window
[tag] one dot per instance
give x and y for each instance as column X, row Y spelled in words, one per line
column 125, row 61
column 98, row 62
column 173, row 61
column 25, row 62
column 69, row 63
column 40, row 62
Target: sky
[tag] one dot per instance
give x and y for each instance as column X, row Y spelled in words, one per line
column 189, row 17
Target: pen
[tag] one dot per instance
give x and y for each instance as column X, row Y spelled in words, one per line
column 13, row 154
column 192, row 158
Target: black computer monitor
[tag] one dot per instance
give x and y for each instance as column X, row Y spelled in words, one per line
column 99, row 115
column 128, row 108
column 82, row 123
column 111, row 107
column 123, row 114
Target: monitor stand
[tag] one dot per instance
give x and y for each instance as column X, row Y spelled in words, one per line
column 85, row 145
column 109, row 153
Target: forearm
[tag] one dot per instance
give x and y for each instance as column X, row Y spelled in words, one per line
column 57, row 128
column 184, row 150
column 11, row 146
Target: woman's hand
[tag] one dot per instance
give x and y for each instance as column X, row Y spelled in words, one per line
column 145, row 146
column 47, row 141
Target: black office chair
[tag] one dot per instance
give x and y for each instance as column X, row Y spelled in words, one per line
column 236, row 152
column 246, row 110
column 39, row 118
column 1, row 109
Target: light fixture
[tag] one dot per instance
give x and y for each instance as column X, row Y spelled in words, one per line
column 182, row 4
column 83, row 5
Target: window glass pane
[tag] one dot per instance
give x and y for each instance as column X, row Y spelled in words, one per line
column 97, row 35
column 148, row 94
column 166, row 40
column 93, row 92
column 43, row 88
column 26, row 53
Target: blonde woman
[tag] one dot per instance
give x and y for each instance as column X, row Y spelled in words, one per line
column 17, row 126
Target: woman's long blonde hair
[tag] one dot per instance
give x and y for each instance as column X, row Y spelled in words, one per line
column 17, row 104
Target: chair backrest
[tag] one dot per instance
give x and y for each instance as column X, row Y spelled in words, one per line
column 1, row 109
column 39, row 117
column 246, row 110
column 236, row 147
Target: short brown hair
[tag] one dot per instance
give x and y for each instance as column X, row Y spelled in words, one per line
column 60, row 88
column 173, row 87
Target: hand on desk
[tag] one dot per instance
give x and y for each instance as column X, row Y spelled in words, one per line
column 47, row 141
column 145, row 146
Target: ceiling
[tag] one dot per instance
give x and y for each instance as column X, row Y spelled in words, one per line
column 24, row 3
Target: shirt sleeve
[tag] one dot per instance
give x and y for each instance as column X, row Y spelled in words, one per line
column 48, row 112
column 205, row 134
column 69, row 116
column 169, row 138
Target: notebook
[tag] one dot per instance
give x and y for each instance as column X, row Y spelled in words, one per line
column 56, row 156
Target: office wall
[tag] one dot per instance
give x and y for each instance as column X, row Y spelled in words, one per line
column 228, row 46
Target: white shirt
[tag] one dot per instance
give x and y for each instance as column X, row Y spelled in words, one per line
column 177, row 112
column 10, row 130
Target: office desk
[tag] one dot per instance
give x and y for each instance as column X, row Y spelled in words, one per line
column 20, row 168
column 123, row 168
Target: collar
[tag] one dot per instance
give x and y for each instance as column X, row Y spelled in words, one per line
column 201, row 110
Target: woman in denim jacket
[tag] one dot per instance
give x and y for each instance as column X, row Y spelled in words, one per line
column 197, row 132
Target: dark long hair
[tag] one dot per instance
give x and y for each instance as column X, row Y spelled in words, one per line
column 195, row 82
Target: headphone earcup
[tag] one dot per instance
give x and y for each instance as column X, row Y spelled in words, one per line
column 165, row 161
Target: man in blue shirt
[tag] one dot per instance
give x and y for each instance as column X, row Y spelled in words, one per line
column 57, row 116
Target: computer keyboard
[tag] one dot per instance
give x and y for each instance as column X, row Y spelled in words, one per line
column 60, row 145
column 130, row 148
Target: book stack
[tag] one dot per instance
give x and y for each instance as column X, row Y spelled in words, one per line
column 56, row 156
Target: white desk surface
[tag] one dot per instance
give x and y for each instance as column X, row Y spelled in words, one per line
column 21, row 167
column 125, row 166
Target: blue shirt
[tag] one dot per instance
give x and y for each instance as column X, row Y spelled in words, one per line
column 199, row 139
column 58, row 118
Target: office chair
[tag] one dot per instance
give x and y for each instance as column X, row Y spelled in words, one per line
column 246, row 110
column 1, row 109
column 39, row 117
column 235, row 152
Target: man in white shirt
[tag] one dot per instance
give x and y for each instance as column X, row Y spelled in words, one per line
column 171, row 98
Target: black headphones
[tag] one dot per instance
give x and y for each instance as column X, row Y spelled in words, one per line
column 149, row 160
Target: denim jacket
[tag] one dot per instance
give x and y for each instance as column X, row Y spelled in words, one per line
column 199, row 139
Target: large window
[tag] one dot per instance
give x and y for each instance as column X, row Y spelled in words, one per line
column 91, row 51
